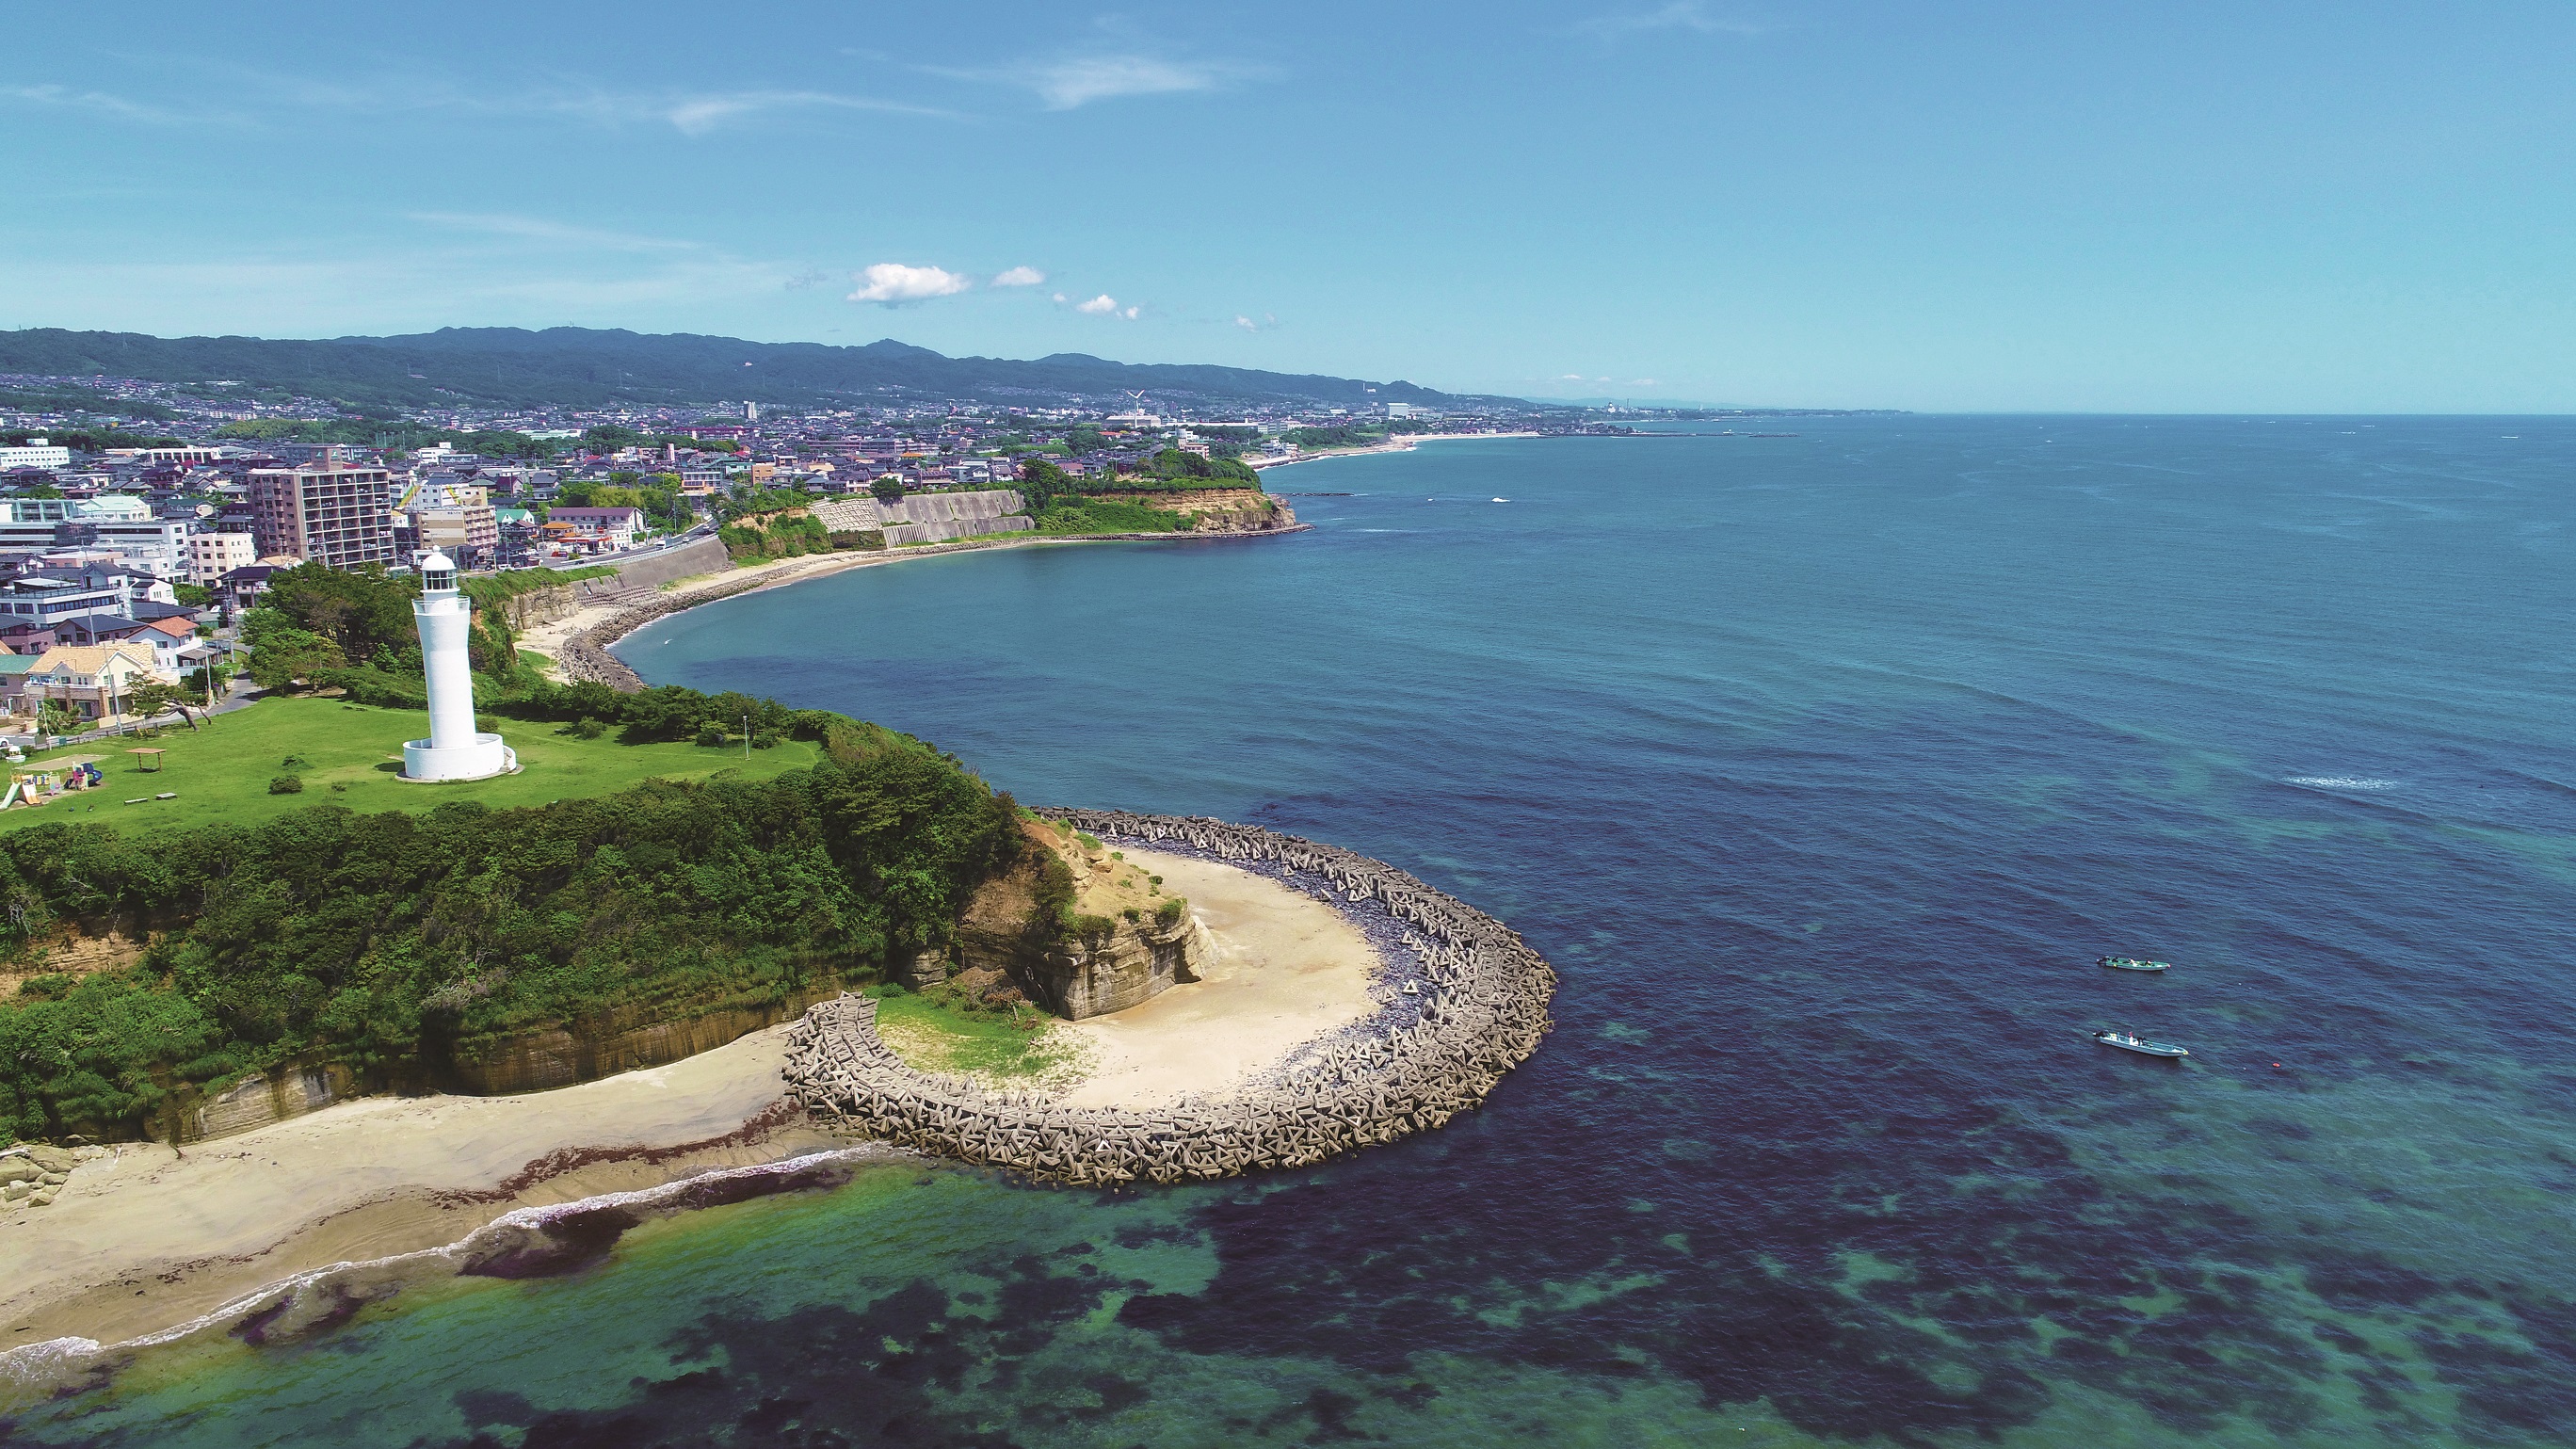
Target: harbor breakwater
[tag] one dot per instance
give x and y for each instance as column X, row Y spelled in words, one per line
column 1482, row 1010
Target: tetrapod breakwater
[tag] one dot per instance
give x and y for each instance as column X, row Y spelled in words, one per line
column 1482, row 1011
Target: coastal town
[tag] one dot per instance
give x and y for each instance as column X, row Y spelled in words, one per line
column 140, row 521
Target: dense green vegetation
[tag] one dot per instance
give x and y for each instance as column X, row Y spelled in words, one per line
column 1107, row 515
column 354, row 629
column 490, row 589
column 91, row 440
column 1347, row 435
column 1173, row 470
column 761, row 536
column 400, row 943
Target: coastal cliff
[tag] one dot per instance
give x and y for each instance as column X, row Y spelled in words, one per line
column 1079, row 930
column 1221, row 510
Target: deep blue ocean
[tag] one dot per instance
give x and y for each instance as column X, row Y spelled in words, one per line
column 1823, row 767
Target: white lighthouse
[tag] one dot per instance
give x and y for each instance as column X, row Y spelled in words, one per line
column 454, row 750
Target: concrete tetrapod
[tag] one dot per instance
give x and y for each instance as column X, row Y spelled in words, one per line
column 1482, row 1012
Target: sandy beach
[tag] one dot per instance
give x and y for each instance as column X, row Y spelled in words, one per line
column 150, row 1238
column 1284, row 969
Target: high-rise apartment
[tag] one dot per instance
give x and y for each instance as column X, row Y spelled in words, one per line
column 323, row 513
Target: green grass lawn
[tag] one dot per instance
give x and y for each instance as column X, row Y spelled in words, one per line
column 934, row 1035
column 222, row 772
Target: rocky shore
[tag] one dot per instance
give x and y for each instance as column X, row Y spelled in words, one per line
column 1482, row 1009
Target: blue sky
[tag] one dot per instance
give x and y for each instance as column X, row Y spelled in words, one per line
column 2169, row 207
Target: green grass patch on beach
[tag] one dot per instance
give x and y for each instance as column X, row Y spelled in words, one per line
column 351, row 755
column 934, row 1034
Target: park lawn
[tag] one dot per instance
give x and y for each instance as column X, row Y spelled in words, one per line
column 222, row 772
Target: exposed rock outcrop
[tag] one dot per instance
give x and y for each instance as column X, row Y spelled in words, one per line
column 1221, row 510
column 33, row 1173
column 1130, row 942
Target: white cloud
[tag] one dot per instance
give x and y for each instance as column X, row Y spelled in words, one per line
column 1060, row 297
column 1020, row 277
column 891, row 284
column 1677, row 15
column 1098, row 306
column 1130, row 314
column 98, row 101
column 1246, row 323
column 697, row 115
column 1079, row 80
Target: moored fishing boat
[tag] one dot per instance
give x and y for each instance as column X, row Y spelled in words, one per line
column 2134, row 963
column 2131, row 1041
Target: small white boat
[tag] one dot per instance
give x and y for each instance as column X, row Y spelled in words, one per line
column 2133, row 963
column 2132, row 1042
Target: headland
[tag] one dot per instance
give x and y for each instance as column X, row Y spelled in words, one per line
column 347, row 1198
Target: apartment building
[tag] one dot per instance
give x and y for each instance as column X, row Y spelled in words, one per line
column 213, row 555
column 323, row 513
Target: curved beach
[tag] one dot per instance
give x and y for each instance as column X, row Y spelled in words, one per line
column 1470, row 1003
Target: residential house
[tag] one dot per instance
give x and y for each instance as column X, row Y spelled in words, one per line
column 618, row 525
column 14, row 669
column 93, row 681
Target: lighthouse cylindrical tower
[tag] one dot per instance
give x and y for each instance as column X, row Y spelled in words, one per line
column 455, row 750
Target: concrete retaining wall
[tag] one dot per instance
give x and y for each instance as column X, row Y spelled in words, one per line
column 698, row 556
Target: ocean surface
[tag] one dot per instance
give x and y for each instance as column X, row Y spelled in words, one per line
column 1823, row 767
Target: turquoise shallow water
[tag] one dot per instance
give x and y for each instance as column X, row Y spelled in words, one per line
column 1823, row 767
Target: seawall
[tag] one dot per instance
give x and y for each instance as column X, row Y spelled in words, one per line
column 1482, row 1012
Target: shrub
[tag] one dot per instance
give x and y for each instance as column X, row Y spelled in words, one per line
column 488, row 724
column 711, row 735
column 296, row 762
column 1133, row 914
column 588, row 729
column 286, row 785
column 1169, row 913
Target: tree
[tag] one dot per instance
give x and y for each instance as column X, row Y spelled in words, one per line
column 54, row 717
column 1042, row 482
column 40, row 490
column 282, row 654
column 609, row 437
column 887, row 490
column 150, row 700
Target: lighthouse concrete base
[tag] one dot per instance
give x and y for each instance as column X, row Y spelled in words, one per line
column 482, row 759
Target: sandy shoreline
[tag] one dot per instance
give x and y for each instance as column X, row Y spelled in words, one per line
column 549, row 638
column 153, row 1239
column 1284, row 970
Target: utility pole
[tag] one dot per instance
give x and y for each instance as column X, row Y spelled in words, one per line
column 746, row 739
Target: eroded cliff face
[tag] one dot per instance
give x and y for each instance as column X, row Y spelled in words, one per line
column 1222, row 510
column 1131, row 940
column 488, row 1067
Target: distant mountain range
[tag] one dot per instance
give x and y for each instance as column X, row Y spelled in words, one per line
column 578, row 367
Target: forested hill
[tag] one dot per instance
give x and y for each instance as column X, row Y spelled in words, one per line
column 576, row 366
